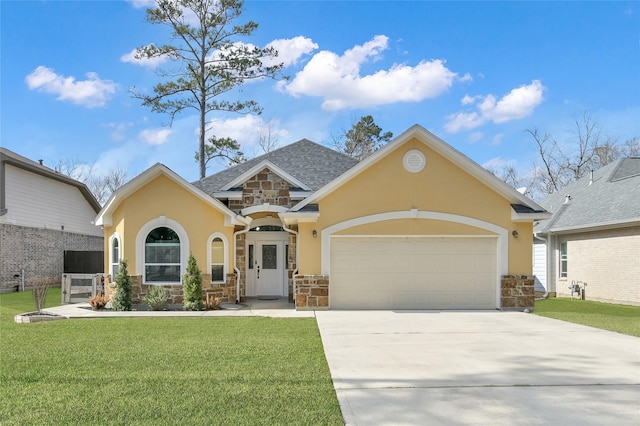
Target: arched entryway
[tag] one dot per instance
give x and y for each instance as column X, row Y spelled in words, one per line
column 267, row 254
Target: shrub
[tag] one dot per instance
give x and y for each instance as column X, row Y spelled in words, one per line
column 40, row 288
column 121, row 300
column 157, row 298
column 192, row 286
column 99, row 301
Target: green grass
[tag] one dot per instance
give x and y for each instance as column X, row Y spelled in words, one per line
column 162, row 371
column 623, row 319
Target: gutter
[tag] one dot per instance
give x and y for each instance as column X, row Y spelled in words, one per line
column 235, row 266
column 546, row 263
column 295, row 271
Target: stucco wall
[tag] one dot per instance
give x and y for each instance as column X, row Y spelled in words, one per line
column 440, row 187
column 164, row 198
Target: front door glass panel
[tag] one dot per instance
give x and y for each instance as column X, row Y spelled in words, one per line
column 269, row 256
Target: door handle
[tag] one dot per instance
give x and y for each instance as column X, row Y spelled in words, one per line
column 258, row 269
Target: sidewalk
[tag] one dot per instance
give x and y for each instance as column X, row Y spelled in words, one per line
column 251, row 308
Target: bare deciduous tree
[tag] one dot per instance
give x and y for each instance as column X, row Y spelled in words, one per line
column 268, row 138
column 101, row 185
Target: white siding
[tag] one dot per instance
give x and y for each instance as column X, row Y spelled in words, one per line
column 36, row 201
column 540, row 264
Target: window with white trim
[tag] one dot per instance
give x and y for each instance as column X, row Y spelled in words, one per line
column 115, row 257
column 217, row 260
column 563, row 260
column 162, row 256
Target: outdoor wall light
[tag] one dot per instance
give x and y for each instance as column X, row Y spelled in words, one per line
column 315, row 234
column 515, row 234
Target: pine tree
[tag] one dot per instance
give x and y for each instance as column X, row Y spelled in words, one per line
column 121, row 300
column 193, row 286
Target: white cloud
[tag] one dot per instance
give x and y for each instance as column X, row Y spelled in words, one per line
column 154, row 136
column 518, row 103
column 92, row 92
column 119, row 130
column 291, row 50
column 245, row 130
column 337, row 79
column 143, row 62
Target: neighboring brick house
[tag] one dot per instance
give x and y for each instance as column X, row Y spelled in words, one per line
column 417, row 225
column 42, row 214
column 593, row 236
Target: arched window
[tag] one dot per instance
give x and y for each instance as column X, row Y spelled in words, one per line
column 115, row 256
column 162, row 256
column 218, row 257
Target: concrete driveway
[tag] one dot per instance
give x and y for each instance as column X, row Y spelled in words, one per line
column 509, row 368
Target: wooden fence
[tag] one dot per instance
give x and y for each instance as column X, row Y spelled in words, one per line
column 78, row 288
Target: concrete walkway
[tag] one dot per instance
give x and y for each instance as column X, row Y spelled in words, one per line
column 479, row 368
column 280, row 308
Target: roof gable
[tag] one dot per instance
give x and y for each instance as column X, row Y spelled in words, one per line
column 264, row 164
column 10, row 157
column 447, row 151
column 303, row 163
column 105, row 216
column 608, row 198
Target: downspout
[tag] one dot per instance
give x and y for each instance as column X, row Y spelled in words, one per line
column 295, row 271
column 235, row 265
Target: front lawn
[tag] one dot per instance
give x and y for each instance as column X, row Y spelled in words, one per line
column 623, row 319
column 161, row 371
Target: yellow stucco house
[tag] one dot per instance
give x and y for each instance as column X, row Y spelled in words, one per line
column 417, row 225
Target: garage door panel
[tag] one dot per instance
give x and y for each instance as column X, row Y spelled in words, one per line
column 413, row 273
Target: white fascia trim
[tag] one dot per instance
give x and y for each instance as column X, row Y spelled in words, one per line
column 104, row 218
column 596, row 226
column 265, row 164
column 529, row 217
column 230, row 195
column 293, row 218
column 502, row 251
column 299, row 195
column 266, row 207
column 438, row 145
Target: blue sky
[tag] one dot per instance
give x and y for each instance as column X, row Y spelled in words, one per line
column 477, row 74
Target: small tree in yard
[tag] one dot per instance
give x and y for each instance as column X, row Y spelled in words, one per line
column 40, row 288
column 193, row 286
column 121, row 300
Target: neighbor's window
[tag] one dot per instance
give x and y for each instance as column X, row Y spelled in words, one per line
column 115, row 257
column 217, row 259
column 162, row 256
column 563, row 260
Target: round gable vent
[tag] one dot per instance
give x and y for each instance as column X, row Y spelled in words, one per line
column 414, row 161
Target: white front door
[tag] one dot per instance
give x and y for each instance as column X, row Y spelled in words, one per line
column 269, row 268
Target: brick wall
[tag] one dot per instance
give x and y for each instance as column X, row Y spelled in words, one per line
column 40, row 252
column 517, row 292
column 608, row 261
column 312, row 292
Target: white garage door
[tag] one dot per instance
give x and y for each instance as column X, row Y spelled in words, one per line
column 413, row 273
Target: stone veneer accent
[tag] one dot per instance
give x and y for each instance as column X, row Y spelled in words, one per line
column 312, row 292
column 227, row 291
column 517, row 292
column 264, row 187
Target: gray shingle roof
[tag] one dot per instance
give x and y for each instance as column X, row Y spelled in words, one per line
column 313, row 164
column 613, row 197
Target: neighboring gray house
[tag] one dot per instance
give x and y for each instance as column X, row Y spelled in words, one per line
column 593, row 236
column 42, row 214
